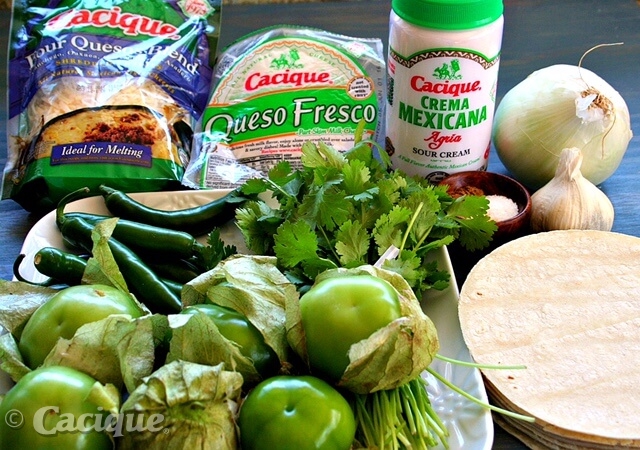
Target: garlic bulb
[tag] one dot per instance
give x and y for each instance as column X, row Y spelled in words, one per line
column 570, row 201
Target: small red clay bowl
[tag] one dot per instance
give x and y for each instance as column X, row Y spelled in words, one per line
column 490, row 183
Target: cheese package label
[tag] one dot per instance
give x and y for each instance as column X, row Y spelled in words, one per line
column 105, row 92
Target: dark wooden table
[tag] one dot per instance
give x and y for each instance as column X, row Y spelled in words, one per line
column 538, row 33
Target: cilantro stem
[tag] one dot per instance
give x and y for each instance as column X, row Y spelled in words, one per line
column 414, row 217
column 276, row 187
column 330, row 246
column 468, row 396
column 419, row 385
column 399, row 418
column 408, row 402
column 424, row 236
column 364, row 418
column 478, row 366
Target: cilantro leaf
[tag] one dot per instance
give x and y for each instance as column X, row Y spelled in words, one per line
column 287, row 183
column 357, row 182
column 476, row 229
column 409, row 265
column 476, row 233
column 352, row 244
column 314, row 266
column 325, row 206
column 333, row 211
column 390, row 227
column 295, row 242
column 468, row 206
column 357, row 178
column 216, row 250
column 321, row 155
column 281, row 173
column 258, row 223
column 255, row 186
column 435, row 278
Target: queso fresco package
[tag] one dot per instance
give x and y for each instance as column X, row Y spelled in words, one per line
column 279, row 87
column 105, row 91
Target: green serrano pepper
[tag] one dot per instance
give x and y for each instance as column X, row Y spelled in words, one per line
column 174, row 286
column 62, row 268
column 68, row 268
column 149, row 239
column 65, row 267
column 197, row 221
column 179, row 270
column 142, row 281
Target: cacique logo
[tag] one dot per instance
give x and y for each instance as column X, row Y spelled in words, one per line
column 297, row 79
column 130, row 24
column 421, row 84
column 445, row 75
column 287, row 67
column 448, row 71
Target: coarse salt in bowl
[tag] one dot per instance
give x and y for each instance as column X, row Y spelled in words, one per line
column 501, row 208
column 509, row 200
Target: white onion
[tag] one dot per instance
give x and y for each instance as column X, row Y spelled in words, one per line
column 557, row 107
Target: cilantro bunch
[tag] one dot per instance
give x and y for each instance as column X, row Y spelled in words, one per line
column 348, row 209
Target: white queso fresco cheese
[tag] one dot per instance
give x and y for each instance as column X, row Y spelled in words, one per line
column 278, row 88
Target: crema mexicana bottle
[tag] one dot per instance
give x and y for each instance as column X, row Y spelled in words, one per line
column 441, row 84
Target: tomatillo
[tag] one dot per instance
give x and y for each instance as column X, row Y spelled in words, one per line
column 65, row 312
column 339, row 311
column 237, row 328
column 295, row 413
column 47, row 409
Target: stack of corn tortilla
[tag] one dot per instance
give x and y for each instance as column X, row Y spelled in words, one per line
column 566, row 305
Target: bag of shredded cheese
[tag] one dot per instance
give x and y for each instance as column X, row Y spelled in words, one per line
column 278, row 88
column 106, row 92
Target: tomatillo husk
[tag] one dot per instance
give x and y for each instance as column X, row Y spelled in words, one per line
column 253, row 286
column 197, row 405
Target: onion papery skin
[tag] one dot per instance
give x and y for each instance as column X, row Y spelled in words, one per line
column 538, row 117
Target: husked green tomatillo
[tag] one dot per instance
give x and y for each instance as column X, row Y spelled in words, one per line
column 45, row 400
column 68, row 310
column 352, row 307
column 295, row 413
column 363, row 328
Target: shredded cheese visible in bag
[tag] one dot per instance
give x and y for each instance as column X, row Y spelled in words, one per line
column 105, row 92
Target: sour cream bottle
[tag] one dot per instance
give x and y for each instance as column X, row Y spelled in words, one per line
column 442, row 74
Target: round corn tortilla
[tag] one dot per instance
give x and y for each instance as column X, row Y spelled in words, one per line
column 566, row 304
